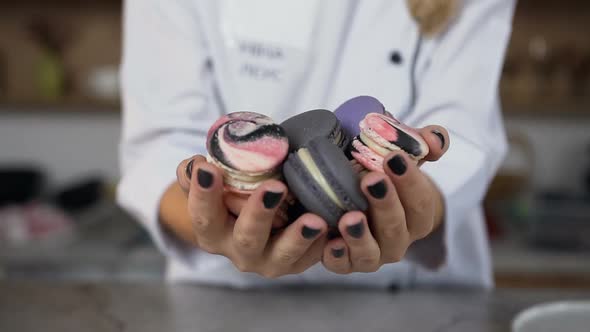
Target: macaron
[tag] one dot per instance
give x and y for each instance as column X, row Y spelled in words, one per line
column 322, row 179
column 354, row 110
column 249, row 147
column 381, row 134
column 304, row 127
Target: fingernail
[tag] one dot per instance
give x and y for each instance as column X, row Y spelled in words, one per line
column 441, row 137
column 271, row 199
column 356, row 230
column 378, row 190
column 189, row 169
column 309, row 233
column 204, row 178
column 397, row 165
column 337, row 253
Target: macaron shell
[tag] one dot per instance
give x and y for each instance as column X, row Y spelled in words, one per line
column 247, row 142
column 354, row 110
column 336, row 170
column 392, row 135
column 304, row 127
column 366, row 157
column 308, row 192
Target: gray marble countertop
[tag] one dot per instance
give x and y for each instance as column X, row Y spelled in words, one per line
column 145, row 307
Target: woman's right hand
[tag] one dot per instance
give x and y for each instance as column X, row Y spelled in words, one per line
column 246, row 239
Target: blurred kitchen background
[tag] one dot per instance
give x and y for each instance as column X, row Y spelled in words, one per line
column 60, row 121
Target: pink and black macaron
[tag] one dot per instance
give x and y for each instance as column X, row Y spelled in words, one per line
column 249, row 147
column 380, row 134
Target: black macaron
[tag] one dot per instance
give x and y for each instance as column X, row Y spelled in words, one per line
column 336, row 173
column 304, row 127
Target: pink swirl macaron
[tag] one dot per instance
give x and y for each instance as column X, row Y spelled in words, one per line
column 380, row 134
column 249, row 147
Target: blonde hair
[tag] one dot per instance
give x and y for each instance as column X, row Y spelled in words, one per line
column 433, row 16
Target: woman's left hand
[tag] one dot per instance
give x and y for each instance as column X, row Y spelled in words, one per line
column 405, row 206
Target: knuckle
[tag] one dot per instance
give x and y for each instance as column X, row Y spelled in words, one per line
column 367, row 263
column 393, row 231
column 200, row 223
column 285, row 257
column 244, row 241
column 422, row 205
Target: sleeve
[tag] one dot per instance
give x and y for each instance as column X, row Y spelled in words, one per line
column 165, row 81
column 458, row 89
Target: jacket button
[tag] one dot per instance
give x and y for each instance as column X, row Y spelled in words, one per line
column 396, row 58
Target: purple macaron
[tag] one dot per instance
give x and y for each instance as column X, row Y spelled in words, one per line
column 354, row 110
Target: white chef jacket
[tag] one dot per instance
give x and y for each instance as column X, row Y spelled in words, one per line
column 187, row 62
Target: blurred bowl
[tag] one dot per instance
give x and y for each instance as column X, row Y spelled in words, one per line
column 565, row 316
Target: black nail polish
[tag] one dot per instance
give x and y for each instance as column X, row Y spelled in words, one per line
column 271, row 199
column 204, row 178
column 337, row 253
column 441, row 137
column 378, row 190
column 356, row 230
column 309, row 233
column 397, row 165
column 189, row 169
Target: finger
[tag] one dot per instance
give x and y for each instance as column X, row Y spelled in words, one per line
column 388, row 219
column 363, row 249
column 335, row 257
column 415, row 192
column 206, row 207
column 235, row 202
column 289, row 247
column 281, row 218
column 312, row 256
column 438, row 142
column 252, row 228
column 184, row 171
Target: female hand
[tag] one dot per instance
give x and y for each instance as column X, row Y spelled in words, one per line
column 405, row 206
column 246, row 238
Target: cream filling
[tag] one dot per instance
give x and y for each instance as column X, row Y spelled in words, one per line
column 338, row 139
column 376, row 147
column 253, row 179
column 313, row 169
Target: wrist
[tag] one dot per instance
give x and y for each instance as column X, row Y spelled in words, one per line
column 173, row 215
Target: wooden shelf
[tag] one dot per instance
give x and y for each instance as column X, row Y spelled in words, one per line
column 52, row 3
column 66, row 105
column 546, row 109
